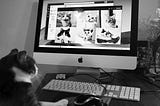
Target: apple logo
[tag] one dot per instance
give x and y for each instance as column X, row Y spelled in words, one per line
column 80, row 60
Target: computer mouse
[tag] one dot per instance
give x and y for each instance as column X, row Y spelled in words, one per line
column 87, row 100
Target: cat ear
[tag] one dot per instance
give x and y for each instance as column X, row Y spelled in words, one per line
column 61, row 29
column 69, row 15
column 68, row 29
column 91, row 30
column 13, row 51
column 103, row 31
column 21, row 57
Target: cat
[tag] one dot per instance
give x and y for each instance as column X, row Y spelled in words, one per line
column 88, row 34
column 112, row 19
column 107, row 37
column 64, row 36
column 17, row 68
column 105, row 33
column 112, row 22
column 89, row 27
column 91, row 18
column 90, row 22
column 64, row 18
column 16, row 71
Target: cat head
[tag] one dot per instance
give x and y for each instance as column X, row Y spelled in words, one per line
column 19, row 59
column 65, row 18
column 112, row 21
column 17, row 62
column 15, row 67
column 91, row 18
column 88, row 34
column 105, row 33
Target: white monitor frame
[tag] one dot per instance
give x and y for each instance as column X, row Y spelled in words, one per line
column 115, row 59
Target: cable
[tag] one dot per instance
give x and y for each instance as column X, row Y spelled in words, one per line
column 144, row 78
column 112, row 76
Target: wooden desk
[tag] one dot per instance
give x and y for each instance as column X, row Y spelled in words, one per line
column 126, row 78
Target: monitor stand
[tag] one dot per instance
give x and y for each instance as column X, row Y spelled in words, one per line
column 89, row 71
column 103, row 75
column 91, row 74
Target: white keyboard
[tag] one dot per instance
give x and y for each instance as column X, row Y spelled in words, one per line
column 123, row 92
column 113, row 91
column 75, row 87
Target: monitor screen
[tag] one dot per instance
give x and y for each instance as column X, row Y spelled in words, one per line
column 87, row 29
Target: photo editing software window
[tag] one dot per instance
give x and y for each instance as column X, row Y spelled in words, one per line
column 86, row 25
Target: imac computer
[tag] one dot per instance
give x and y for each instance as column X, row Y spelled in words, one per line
column 82, row 33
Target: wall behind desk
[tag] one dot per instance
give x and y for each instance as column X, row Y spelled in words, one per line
column 18, row 25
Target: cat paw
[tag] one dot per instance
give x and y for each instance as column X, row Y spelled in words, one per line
column 62, row 102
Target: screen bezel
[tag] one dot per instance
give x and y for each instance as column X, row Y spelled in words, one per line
column 133, row 40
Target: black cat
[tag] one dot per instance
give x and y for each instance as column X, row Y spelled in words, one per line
column 16, row 70
column 64, row 36
column 106, row 33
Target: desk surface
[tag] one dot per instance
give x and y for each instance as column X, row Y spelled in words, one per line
column 149, row 96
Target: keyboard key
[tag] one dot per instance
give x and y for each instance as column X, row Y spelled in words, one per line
column 126, row 95
column 113, row 87
column 115, row 96
column 108, row 87
column 110, row 94
column 137, row 94
column 122, row 92
column 131, row 96
column 117, row 88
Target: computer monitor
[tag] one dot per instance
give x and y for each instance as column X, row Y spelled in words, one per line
column 100, row 34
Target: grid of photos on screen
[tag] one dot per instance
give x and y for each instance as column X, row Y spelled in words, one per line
column 85, row 27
